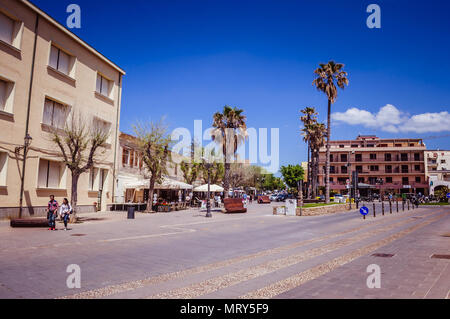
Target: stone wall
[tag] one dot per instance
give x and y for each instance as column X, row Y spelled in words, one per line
column 321, row 210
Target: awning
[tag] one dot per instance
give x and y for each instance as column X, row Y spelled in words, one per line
column 166, row 183
column 212, row 188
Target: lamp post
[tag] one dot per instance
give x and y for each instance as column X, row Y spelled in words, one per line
column 27, row 142
column 208, row 202
column 300, row 194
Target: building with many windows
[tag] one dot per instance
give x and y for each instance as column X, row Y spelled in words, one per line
column 46, row 74
column 383, row 165
column 437, row 169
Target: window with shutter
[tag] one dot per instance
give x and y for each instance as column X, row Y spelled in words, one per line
column 3, row 167
column 49, row 175
column 6, row 28
column 55, row 114
column 103, row 85
column 59, row 60
column 3, row 86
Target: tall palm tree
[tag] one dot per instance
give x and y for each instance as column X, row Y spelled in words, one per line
column 327, row 76
column 309, row 117
column 230, row 131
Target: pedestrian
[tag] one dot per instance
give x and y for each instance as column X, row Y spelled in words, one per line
column 65, row 212
column 52, row 211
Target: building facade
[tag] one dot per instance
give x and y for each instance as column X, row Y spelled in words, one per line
column 46, row 74
column 383, row 165
column 437, row 169
column 132, row 171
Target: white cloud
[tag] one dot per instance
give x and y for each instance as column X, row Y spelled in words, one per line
column 390, row 119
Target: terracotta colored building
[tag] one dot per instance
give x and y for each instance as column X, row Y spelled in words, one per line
column 46, row 73
column 383, row 165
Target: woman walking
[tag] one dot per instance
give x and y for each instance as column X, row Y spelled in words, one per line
column 65, row 212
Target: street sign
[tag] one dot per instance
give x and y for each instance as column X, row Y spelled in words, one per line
column 448, row 195
column 364, row 210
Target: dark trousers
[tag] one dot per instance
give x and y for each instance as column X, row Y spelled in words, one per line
column 66, row 219
column 51, row 216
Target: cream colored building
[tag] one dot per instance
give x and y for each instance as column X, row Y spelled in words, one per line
column 47, row 72
column 437, row 168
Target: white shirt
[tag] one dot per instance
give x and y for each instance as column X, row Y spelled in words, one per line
column 65, row 209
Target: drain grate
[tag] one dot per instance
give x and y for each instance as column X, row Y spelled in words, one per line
column 440, row 256
column 383, row 255
column 78, row 235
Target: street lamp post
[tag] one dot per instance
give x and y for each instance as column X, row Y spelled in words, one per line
column 208, row 194
column 27, row 142
column 300, row 194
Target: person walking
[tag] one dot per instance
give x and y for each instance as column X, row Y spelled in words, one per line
column 52, row 211
column 65, row 212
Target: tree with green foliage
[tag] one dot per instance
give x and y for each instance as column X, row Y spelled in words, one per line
column 292, row 174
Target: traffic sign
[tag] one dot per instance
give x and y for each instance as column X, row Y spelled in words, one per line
column 448, row 195
column 364, row 210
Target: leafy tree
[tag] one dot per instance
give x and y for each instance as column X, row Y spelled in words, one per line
column 292, row 174
column 230, row 131
column 80, row 142
column 191, row 169
column 441, row 193
column 327, row 76
column 153, row 142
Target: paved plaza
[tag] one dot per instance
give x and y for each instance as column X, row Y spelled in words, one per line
column 254, row 255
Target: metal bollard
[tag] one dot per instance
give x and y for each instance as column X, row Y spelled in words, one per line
column 390, row 207
column 374, row 214
column 408, row 205
column 396, row 200
column 403, row 205
column 382, row 208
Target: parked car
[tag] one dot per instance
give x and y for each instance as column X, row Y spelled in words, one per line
column 273, row 197
column 281, row 197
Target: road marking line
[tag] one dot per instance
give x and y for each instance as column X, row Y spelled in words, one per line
column 294, row 281
column 127, row 286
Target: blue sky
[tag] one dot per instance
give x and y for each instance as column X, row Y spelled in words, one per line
column 186, row 59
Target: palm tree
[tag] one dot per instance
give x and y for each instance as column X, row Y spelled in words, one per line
column 316, row 132
column 230, row 130
column 309, row 117
column 327, row 76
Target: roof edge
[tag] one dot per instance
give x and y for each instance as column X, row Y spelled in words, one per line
column 72, row 35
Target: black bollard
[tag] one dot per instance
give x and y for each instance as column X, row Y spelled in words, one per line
column 374, row 214
column 408, row 205
column 390, row 206
column 382, row 207
column 403, row 205
column 396, row 201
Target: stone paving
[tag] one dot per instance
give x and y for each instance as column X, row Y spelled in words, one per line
column 254, row 255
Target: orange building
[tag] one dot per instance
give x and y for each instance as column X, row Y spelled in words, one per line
column 383, row 165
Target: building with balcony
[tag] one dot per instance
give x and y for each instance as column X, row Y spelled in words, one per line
column 383, row 165
column 437, row 169
column 46, row 74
